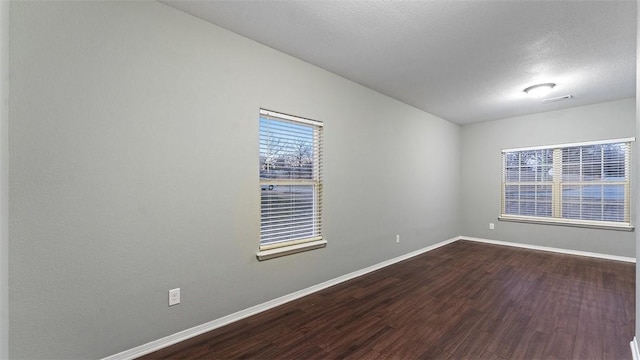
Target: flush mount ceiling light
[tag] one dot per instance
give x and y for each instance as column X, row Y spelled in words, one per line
column 539, row 90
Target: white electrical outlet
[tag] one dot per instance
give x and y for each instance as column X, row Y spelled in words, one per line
column 174, row 297
column 397, row 238
column 491, row 226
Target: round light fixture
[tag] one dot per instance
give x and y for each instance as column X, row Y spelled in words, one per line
column 539, row 90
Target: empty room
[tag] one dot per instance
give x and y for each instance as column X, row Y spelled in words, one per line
column 318, row 179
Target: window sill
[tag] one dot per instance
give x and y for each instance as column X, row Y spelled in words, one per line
column 564, row 222
column 288, row 250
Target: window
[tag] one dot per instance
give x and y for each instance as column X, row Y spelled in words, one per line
column 586, row 184
column 290, row 184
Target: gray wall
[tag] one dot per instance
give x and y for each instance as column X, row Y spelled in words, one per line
column 481, row 171
column 636, row 178
column 4, row 181
column 134, row 169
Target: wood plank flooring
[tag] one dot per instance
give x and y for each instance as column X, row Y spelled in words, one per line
column 466, row 300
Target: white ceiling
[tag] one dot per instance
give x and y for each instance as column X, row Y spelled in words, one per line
column 464, row 61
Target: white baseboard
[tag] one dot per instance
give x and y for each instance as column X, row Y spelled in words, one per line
column 634, row 349
column 552, row 249
column 201, row 329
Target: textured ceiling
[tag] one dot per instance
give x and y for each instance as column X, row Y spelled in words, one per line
column 464, row 61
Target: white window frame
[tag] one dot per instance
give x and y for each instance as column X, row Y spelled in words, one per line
column 557, row 183
column 272, row 246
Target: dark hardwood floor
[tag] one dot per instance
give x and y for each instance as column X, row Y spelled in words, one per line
column 465, row 300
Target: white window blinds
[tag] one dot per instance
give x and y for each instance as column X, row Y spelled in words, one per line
column 290, row 180
column 581, row 184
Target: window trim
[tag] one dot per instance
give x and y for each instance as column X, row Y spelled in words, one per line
column 290, row 249
column 557, row 193
column 591, row 224
column 287, row 247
